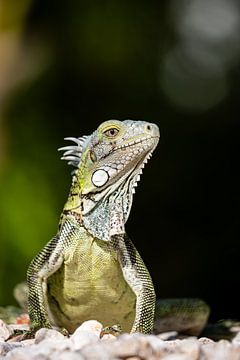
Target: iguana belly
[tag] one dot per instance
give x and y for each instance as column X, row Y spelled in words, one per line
column 90, row 285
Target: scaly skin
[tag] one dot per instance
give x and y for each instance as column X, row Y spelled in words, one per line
column 91, row 269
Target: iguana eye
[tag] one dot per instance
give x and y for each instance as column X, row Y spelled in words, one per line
column 111, row 133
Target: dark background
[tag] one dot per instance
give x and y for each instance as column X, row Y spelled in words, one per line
column 67, row 66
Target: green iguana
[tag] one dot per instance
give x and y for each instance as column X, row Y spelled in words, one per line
column 91, row 269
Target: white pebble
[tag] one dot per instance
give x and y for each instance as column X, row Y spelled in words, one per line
column 28, row 342
column 204, row 340
column 108, row 337
column 236, row 339
column 5, row 331
column 92, row 326
column 82, row 338
column 44, row 333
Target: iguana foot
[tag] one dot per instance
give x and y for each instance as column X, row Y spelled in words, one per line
column 20, row 335
column 63, row 331
column 115, row 330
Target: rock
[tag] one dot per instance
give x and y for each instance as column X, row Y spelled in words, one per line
column 205, row 340
column 5, row 331
column 136, row 345
column 53, row 345
column 44, row 333
column 176, row 357
column 236, row 339
column 139, row 346
column 98, row 351
column 158, row 345
column 220, row 350
column 83, row 338
column 6, row 347
column 190, row 347
column 45, row 349
column 170, row 335
column 29, row 353
column 92, row 326
column 67, row 355
column 87, row 333
column 173, row 357
column 28, row 342
column 108, row 337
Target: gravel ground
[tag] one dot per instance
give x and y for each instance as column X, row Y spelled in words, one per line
column 86, row 343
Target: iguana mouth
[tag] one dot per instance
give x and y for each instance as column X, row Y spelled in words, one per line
column 137, row 141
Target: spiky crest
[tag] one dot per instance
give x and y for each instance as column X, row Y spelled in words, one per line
column 73, row 153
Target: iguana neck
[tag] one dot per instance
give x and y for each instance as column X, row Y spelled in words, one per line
column 103, row 215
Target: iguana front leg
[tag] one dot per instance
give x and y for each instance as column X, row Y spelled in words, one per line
column 139, row 279
column 43, row 265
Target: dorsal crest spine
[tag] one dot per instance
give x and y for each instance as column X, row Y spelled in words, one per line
column 73, row 153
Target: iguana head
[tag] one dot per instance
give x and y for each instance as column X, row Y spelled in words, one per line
column 109, row 162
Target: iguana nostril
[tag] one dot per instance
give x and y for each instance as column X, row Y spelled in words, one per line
column 152, row 129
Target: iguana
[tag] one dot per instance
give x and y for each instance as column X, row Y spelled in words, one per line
column 91, row 269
